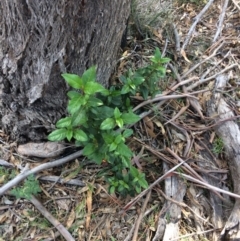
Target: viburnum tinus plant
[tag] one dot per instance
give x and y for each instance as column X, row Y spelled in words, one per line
column 98, row 120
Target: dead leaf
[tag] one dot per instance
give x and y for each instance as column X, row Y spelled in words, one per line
column 63, row 203
column 89, row 208
column 160, row 125
column 71, row 218
column 183, row 53
column 195, row 104
column 148, row 122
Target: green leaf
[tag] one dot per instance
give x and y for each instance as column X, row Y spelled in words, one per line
column 130, row 118
column 157, row 54
column 123, row 150
column 74, row 94
column 89, row 149
column 161, row 71
column 104, row 112
column 75, row 104
column 138, row 80
column 125, row 89
column 112, row 190
column 108, row 137
column 119, row 122
column 79, row 118
column 89, row 75
column 64, row 122
column 93, row 87
column 73, row 80
column 138, row 189
column 118, row 139
column 107, row 124
column 134, row 171
column 127, row 133
column 113, row 146
column 93, row 101
column 80, row 135
column 144, row 91
column 125, row 161
column 123, row 79
column 69, row 134
column 117, row 113
column 143, row 183
column 57, row 135
column 164, row 60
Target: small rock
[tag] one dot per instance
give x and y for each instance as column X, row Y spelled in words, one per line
column 43, row 149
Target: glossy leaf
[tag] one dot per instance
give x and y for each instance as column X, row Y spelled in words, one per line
column 117, row 113
column 80, row 135
column 130, row 118
column 73, row 80
column 119, row 122
column 93, row 87
column 69, row 134
column 108, row 137
column 122, row 149
column 75, row 104
column 88, row 149
column 74, row 94
column 107, row 124
column 127, row 133
column 58, row 135
column 89, row 75
column 79, row 118
column 93, row 101
column 113, row 146
column 64, row 122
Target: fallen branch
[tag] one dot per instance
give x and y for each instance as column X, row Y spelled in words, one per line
column 201, row 81
column 37, row 169
column 51, row 219
column 236, row 4
column 221, row 18
column 197, row 19
column 61, row 180
column 141, row 217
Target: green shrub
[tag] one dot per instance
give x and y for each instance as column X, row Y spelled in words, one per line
column 98, row 120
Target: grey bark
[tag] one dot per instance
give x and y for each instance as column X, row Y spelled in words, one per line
column 39, row 40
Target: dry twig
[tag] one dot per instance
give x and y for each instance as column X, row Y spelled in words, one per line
column 37, row 169
column 197, row 19
column 140, row 217
column 51, row 219
column 220, row 22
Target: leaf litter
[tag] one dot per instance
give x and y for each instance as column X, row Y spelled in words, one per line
column 202, row 39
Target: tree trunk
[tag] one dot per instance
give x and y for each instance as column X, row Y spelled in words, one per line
column 39, row 40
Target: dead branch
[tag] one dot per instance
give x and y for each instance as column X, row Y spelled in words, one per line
column 220, row 21
column 236, row 4
column 61, row 180
column 133, row 227
column 197, row 19
column 169, row 173
column 162, row 97
column 207, row 186
column 141, row 217
column 201, row 81
column 177, row 39
column 51, row 219
column 203, row 61
column 37, row 169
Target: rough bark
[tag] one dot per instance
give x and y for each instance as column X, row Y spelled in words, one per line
column 39, row 40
